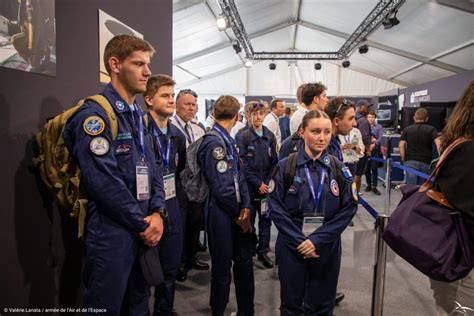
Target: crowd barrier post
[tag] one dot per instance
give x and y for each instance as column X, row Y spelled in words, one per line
column 378, row 286
column 388, row 186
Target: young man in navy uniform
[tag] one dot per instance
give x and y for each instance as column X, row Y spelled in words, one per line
column 231, row 236
column 170, row 145
column 123, row 183
column 257, row 151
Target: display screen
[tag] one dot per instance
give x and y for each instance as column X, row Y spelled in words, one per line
column 384, row 115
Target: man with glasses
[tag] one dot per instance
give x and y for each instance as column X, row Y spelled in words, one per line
column 186, row 106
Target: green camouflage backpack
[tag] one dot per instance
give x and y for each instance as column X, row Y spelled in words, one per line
column 58, row 171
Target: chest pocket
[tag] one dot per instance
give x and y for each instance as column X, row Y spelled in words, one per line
column 124, row 154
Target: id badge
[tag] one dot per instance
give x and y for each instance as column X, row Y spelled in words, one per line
column 170, row 186
column 143, row 188
column 263, row 207
column 311, row 223
column 237, row 189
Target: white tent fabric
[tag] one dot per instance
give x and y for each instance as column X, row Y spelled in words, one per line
column 433, row 40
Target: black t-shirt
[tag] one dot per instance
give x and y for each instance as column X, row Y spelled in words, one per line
column 455, row 180
column 419, row 138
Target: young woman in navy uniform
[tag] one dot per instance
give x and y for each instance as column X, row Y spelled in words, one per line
column 310, row 216
column 170, row 146
column 257, row 151
column 231, row 236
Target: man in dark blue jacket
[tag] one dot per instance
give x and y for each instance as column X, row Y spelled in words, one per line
column 231, row 236
column 257, row 151
column 123, row 183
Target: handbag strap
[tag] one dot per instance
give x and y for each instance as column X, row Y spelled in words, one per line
column 427, row 185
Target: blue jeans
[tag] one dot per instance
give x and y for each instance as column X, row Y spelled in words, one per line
column 411, row 178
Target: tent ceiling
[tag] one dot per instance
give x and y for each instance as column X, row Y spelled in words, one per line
column 432, row 40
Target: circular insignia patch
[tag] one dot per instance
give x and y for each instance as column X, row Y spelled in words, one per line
column 271, row 186
column 221, row 166
column 326, row 160
column 120, row 105
column 99, row 146
column 94, row 125
column 218, row 153
column 354, row 192
column 334, row 188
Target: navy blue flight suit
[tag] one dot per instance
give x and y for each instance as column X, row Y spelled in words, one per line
column 290, row 145
column 258, row 157
column 171, row 244
column 334, row 148
column 309, row 285
column 227, row 242
column 112, row 275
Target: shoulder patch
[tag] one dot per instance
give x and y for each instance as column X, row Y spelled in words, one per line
column 346, row 172
column 271, row 186
column 354, row 192
column 94, row 125
column 334, row 188
column 99, row 146
column 221, row 166
column 218, row 153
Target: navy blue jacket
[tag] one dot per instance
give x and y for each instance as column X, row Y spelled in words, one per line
column 110, row 178
column 288, row 208
column 221, row 184
column 290, row 145
column 258, row 157
column 334, row 148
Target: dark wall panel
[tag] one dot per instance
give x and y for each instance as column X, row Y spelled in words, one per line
column 32, row 247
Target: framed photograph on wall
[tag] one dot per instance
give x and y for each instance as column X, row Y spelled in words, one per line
column 28, row 36
column 108, row 28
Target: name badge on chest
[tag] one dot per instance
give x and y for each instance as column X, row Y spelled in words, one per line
column 311, row 223
column 143, row 188
column 170, row 186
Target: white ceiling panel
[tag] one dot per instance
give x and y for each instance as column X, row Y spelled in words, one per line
column 263, row 81
column 309, row 40
column 181, row 76
column 194, row 29
column 380, row 62
column 211, row 63
column 463, row 58
column 259, row 15
column 280, row 40
column 427, row 28
column 340, row 15
column 423, row 74
column 229, row 83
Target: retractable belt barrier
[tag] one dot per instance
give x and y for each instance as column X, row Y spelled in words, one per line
column 381, row 221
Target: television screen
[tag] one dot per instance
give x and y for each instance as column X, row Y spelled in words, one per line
column 384, row 115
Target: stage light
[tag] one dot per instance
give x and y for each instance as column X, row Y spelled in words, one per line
column 363, row 49
column 318, row 66
column 388, row 23
column 272, row 66
column 237, row 48
column 222, row 23
column 346, row 63
column 248, row 64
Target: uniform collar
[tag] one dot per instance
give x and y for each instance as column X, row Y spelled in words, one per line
column 302, row 158
column 223, row 130
column 172, row 130
column 115, row 99
column 255, row 135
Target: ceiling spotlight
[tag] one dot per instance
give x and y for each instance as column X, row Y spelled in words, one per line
column 318, row 66
column 272, row 66
column 248, row 64
column 346, row 63
column 222, row 23
column 388, row 23
column 237, row 48
column 363, row 49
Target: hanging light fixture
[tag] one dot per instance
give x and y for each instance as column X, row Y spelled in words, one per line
column 222, row 23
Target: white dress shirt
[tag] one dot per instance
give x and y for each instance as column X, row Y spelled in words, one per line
column 191, row 130
column 297, row 118
column 272, row 122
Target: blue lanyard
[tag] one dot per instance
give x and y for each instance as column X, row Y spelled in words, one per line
column 183, row 128
column 229, row 146
column 316, row 198
column 141, row 129
column 339, row 151
column 165, row 155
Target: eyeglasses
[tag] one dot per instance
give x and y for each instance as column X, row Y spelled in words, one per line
column 186, row 91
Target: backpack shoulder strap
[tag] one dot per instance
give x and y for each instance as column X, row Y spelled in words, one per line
column 289, row 171
column 215, row 133
column 105, row 104
column 336, row 166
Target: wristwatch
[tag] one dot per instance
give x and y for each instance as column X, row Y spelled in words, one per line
column 163, row 212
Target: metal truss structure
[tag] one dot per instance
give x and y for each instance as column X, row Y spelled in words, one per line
column 381, row 11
